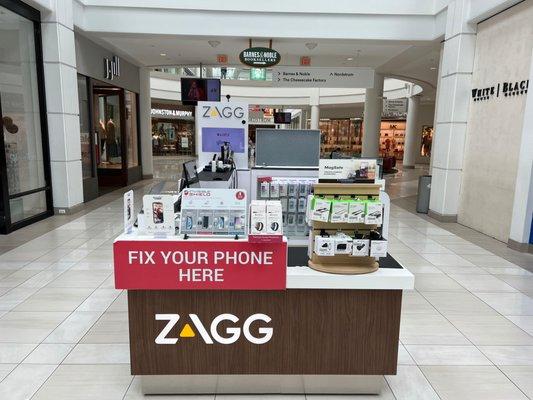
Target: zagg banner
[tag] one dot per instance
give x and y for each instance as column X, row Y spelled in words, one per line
column 196, row 265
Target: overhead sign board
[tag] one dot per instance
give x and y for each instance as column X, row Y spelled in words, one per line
column 260, row 57
column 394, row 108
column 323, row 77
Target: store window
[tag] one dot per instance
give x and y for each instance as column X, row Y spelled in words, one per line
column 173, row 130
column 131, row 129
column 108, row 127
column 24, row 173
column 85, row 127
column 343, row 136
column 392, row 139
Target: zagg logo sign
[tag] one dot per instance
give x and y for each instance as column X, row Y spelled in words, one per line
column 223, row 112
column 229, row 336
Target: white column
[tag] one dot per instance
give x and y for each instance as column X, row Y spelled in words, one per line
column 523, row 195
column 59, row 56
column 145, row 106
column 453, row 99
column 315, row 116
column 411, row 132
column 372, row 118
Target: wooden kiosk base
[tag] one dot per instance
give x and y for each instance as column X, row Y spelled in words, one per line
column 347, row 269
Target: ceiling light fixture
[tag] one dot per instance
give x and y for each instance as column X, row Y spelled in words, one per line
column 213, row 43
column 163, row 54
column 349, row 59
column 433, row 68
column 311, row 45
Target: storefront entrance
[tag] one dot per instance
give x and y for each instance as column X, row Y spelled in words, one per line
column 110, row 155
column 25, row 187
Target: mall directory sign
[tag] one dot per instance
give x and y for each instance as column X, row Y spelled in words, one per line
column 199, row 265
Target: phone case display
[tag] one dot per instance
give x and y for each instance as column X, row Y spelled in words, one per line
column 346, row 221
column 291, row 195
column 340, row 135
column 213, row 212
column 392, row 139
column 159, row 214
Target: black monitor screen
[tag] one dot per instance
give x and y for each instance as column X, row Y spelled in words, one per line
column 194, row 90
column 282, row 117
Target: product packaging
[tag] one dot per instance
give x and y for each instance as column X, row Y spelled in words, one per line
column 339, row 211
column 356, row 212
column 291, row 220
column 321, row 209
column 283, row 189
column 188, row 221
column 300, row 222
column 292, row 189
column 220, row 222
column 378, row 248
column 302, row 190
column 302, row 204
column 324, row 246
column 264, row 190
column 360, row 247
column 204, row 225
column 343, row 244
column 258, row 220
column 274, row 190
column 284, row 204
column 274, row 219
column 374, row 213
column 292, row 204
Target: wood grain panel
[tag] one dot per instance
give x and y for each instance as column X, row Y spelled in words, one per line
column 315, row 332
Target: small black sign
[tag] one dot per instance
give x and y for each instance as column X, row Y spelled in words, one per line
column 506, row 89
column 260, row 57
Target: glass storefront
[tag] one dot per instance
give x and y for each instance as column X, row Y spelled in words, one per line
column 173, row 130
column 342, row 136
column 24, row 166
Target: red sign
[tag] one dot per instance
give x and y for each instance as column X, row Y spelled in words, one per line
column 305, row 60
column 200, row 265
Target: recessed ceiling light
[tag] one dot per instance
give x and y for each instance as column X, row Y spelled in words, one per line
column 311, row 45
column 213, row 43
column 433, row 68
column 349, row 59
column 163, row 54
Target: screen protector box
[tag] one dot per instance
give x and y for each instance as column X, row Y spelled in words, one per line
column 219, row 211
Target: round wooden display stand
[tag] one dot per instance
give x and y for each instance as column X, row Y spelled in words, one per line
column 347, row 269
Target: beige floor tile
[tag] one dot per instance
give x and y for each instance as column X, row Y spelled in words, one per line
column 482, row 283
column 99, row 300
column 28, row 327
column 524, row 322
column 522, row 376
column 522, row 283
column 83, row 382
column 14, row 353
column 55, row 299
column 116, row 353
column 410, row 384
column 488, row 260
column 507, row 271
column 508, row 303
column 134, row 393
column 486, row 330
column 404, row 358
column 47, row 353
column 24, row 381
column 73, row 328
column 429, row 329
column 450, row 303
column 5, row 370
column 447, row 259
column 509, row 355
column 414, row 303
column 452, row 269
column 447, row 355
column 112, row 327
column 80, row 279
column 471, row 383
column 436, row 282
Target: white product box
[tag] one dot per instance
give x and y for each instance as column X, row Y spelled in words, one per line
column 356, row 212
column 284, row 204
column 360, row 247
column 291, row 220
column 324, row 246
column 159, row 214
column 258, row 219
column 302, row 190
column 292, row 189
column 264, row 190
column 274, row 219
column 321, row 209
column 374, row 213
column 302, row 204
column 343, row 244
column 378, row 248
column 339, row 211
column 283, row 189
column 292, row 204
column 274, row 190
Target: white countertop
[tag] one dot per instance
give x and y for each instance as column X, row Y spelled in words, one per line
column 306, row 278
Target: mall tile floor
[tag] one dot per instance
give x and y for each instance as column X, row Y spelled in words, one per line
column 466, row 331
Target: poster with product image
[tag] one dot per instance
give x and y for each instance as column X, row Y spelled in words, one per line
column 356, row 169
column 159, row 214
column 129, row 211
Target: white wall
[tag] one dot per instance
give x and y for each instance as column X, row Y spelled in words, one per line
column 494, row 129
